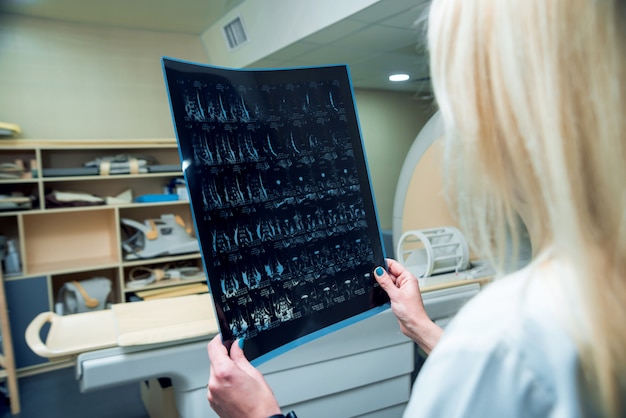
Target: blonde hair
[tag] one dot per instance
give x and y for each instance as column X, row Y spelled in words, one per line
column 533, row 100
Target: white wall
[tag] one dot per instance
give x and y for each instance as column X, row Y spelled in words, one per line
column 390, row 121
column 73, row 81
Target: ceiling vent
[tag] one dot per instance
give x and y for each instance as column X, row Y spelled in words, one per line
column 235, row 33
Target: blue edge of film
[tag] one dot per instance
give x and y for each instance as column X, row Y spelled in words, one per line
column 317, row 334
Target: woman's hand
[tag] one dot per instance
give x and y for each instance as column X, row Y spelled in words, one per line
column 407, row 305
column 236, row 389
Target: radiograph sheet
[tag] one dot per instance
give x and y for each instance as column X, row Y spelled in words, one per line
column 281, row 200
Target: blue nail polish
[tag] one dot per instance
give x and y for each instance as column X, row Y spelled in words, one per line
column 240, row 342
column 379, row 271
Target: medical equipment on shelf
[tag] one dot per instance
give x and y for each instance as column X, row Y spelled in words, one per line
column 83, row 296
column 167, row 235
column 11, row 263
column 142, row 276
column 428, row 252
column 121, row 164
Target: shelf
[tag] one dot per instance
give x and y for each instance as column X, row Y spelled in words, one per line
column 105, row 144
column 165, row 283
column 18, row 181
column 58, row 245
column 116, row 177
column 160, row 260
column 13, row 213
column 119, row 206
column 153, row 204
column 77, row 265
column 36, row 212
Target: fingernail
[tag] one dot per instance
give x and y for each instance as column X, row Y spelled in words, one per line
column 379, row 271
column 240, row 343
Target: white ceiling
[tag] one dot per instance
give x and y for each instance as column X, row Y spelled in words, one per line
column 374, row 42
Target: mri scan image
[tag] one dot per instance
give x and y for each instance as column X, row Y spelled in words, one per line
column 281, row 199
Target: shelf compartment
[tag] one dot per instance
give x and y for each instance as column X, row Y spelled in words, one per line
column 111, row 186
column 142, row 272
column 76, row 158
column 9, row 227
column 9, row 231
column 19, row 196
column 178, row 238
column 72, row 240
column 58, row 280
column 18, row 164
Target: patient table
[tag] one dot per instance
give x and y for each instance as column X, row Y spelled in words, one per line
column 362, row 370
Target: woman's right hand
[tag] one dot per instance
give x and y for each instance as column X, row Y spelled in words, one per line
column 236, row 389
column 407, row 305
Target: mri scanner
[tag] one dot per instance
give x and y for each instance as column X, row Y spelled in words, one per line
column 363, row 370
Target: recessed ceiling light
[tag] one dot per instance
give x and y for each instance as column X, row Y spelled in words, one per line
column 398, row 77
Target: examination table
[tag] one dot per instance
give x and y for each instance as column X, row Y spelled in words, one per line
column 363, row 370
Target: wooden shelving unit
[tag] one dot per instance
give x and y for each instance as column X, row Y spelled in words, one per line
column 62, row 244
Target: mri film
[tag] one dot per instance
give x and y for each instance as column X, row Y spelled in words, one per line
column 281, row 199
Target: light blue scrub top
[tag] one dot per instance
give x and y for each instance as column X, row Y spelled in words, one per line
column 504, row 355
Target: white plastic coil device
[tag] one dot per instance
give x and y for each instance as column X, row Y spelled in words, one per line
column 427, row 252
